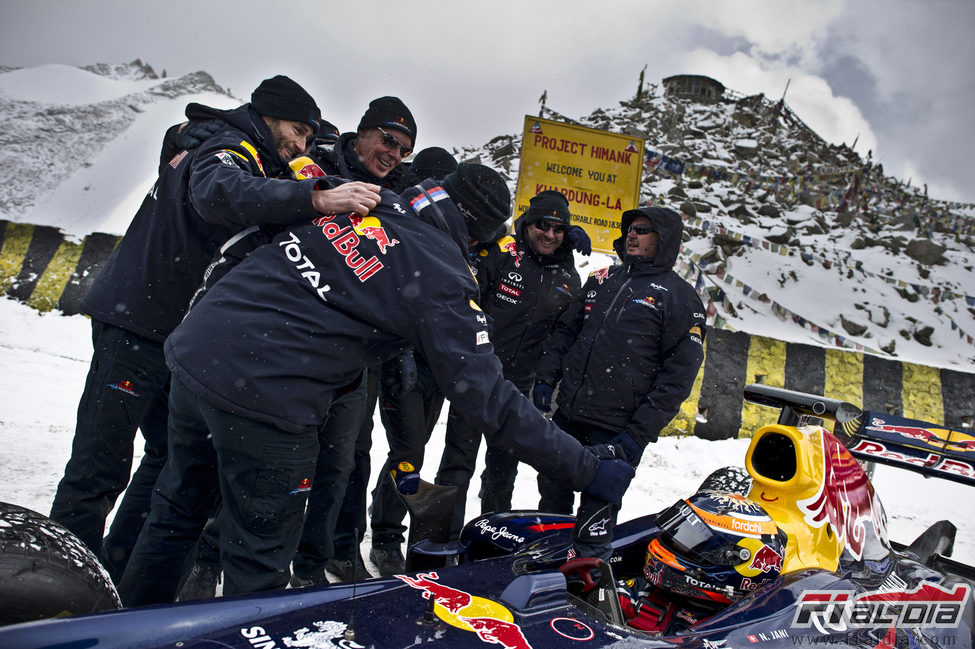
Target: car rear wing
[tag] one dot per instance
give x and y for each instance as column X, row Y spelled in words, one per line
column 919, row 446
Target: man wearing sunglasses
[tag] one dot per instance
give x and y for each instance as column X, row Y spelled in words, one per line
column 526, row 282
column 624, row 358
column 374, row 152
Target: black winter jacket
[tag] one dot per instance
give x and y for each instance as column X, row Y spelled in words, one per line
column 628, row 352
column 300, row 317
column 203, row 197
column 525, row 293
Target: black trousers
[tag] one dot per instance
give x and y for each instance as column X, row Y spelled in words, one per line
column 262, row 476
column 127, row 389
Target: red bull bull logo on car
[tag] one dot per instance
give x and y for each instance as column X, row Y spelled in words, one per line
column 847, row 502
column 493, row 623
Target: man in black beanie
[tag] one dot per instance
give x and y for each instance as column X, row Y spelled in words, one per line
column 382, row 282
column 526, row 282
column 202, row 197
column 374, row 152
column 431, row 162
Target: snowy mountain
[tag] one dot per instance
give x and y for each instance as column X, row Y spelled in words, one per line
column 794, row 238
column 80, row 145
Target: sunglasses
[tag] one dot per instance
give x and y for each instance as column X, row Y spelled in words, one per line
column 545, row 226
column 640, row 228
column 390, row 142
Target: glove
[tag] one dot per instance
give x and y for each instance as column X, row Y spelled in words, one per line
column 196, row 131
column 612, row 479
column 542, row 396
column 580, row 240
column 631, row 451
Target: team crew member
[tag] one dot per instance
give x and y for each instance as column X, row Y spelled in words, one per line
column 258, row 360
column 624, row 357
column 336, row 521
column 200, row 200
column 526, row 282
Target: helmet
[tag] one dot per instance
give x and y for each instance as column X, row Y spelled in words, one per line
column 715, row 547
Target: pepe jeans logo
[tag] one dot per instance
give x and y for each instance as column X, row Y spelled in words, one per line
column 497, row 532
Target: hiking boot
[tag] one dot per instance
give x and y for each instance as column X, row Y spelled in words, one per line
column 389, row 561
column 200, row 584
column 347, row 571
column 316, row 578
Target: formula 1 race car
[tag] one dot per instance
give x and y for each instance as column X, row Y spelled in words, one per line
column 809, row 562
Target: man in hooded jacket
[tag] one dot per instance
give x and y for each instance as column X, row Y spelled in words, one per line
column 202, row 197
column 624, row 358
column 259, row 358
column 526, row 282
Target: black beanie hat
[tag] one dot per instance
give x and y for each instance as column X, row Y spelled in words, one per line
column 550, row 205
column 389, row 112
column 432, row 162
column 282, row 98
column 482, row 196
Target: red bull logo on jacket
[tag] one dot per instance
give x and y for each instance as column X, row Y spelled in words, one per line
column 510, row 246
column 371, row 228
column 124, row 386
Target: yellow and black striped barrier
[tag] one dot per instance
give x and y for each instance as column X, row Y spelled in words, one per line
column 39, row 267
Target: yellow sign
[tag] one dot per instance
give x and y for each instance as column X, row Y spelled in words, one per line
column 597, row 171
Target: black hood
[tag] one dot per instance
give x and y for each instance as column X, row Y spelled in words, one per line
column 243, row 118
column 669, row 226
column 521, row 225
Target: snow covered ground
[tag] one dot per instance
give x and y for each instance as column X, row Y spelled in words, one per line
column 45, row 359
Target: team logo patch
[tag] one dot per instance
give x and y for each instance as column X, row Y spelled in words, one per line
column 510, row 290
column 371, row 228
column 124, row 386
column 421, row 201
column 303, row 487
column 646, row 301
column 509, row 246
column 227, row 158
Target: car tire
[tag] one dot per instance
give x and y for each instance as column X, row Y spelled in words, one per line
column 46, row 571
column 729, row 480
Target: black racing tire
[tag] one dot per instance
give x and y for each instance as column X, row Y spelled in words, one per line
column 46, row 571
column 729, row 480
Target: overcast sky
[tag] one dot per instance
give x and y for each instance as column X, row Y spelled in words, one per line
column 895, row 74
